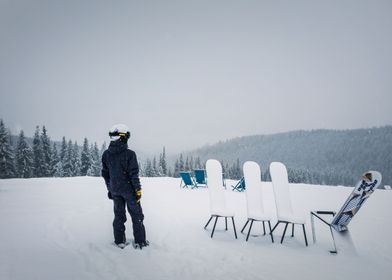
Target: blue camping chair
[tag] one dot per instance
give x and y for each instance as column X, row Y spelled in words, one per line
column 240, row 186
column 186, row 178
column 200, row 177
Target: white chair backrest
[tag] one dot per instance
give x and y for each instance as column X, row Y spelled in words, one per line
column 253, row 190
column 215, row 186
column 280, row 183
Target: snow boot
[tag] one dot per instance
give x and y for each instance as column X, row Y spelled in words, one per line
column 140, row 245
column 121, row 245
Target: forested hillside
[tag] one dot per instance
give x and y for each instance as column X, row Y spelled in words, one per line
column 317, row 156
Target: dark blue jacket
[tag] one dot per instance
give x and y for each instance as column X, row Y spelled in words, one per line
column 120, row 169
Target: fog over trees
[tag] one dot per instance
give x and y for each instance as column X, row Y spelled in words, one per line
column 326, row 157
column 335, row 157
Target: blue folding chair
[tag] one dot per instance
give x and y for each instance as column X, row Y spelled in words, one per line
column 240, row 186
column 200, row 177
column 186, row 178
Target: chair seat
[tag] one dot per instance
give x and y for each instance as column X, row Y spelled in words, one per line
column 259, row 217
column 292, row 219
column 222, row 213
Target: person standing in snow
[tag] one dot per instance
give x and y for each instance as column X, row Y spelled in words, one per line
column 120, row 170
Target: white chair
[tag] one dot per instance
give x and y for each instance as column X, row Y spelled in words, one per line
column 254, row 198
column 217, row 197
column 284, row 208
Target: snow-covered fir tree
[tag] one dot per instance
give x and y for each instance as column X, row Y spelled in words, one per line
column 141, row 168
column 85, row 158
column 198, row 164
column 47, row 169
column 162, row 162
column 181, row 163
column 97, row 160
column 191, row 164
column 63, row 149
column 23, row 158
column 56, row 163
column 176, row 168
column 68, row 166
column 155, row 168
column 225, row 167
column 148, row 169
column 160, row 171
column 38, row 158
column 266, row 176
column 186, row 166
column 95, row 167
column 7, row 167
column 76, row 159
column 238, row 168
column 235, row 171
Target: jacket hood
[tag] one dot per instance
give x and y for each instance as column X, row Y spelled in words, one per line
column 118, row 146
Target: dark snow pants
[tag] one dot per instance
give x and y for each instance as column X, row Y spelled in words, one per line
column 136, row 212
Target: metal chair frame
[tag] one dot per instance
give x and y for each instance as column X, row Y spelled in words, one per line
column 251, row 224
column 292, row 230
column 216, row 220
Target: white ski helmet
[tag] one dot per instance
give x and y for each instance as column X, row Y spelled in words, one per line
column 119, row 130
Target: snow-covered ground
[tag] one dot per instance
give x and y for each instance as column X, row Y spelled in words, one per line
column 61, row 229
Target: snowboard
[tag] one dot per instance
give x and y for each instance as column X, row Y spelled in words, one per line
column 369, row 182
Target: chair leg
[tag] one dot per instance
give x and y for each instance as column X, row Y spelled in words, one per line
column 208, row 223
column 306, row 240
column 212, row 233
column 275, row 226
column 292, row 230
column 335, row 250
column 226, row 223
column 242, row 230
column 235, row 232
column 272, row 237
column 284, row 232
column 250, row 228
column 264, row 227
column 313, row 229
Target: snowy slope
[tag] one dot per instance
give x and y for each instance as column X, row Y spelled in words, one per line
column 61, row 229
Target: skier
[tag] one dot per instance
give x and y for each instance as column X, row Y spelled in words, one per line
column 121, row 173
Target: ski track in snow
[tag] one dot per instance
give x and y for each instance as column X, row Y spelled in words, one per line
column 63, row 230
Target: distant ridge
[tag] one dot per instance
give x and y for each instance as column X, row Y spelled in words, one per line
column 342, row 154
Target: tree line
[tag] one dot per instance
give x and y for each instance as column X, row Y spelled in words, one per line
column 331, row 157
column 44, row 158
column 342, row 165
column 159, row 167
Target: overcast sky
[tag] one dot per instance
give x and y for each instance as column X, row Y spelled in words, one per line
column 186, row 73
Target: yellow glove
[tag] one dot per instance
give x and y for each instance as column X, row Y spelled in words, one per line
column 138, row 195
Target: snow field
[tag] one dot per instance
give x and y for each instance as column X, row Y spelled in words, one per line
column 61, row 229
